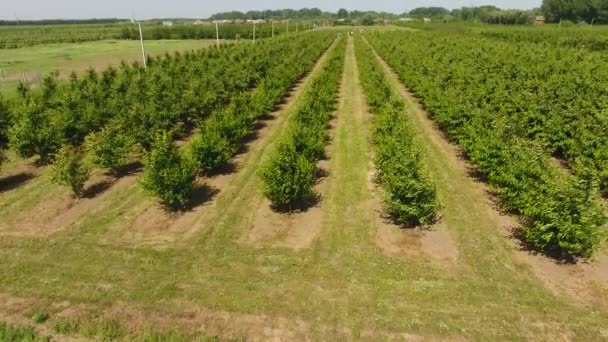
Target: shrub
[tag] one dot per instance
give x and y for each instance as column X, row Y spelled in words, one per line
column 212, row 148
column 288, row 178
column 69, row 170
column 167, row 174
column 109, row 148
column 34, row 132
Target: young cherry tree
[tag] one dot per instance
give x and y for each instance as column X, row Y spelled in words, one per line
column 69, row 169
column 168, row 175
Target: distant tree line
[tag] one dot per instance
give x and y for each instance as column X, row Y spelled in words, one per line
column 485, row 14
column 304, row 13
column 590, row 11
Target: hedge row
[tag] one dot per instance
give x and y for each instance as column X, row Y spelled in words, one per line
column 289, row 174
column 409, row 194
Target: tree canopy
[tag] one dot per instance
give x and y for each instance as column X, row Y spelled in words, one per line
column 576, row 10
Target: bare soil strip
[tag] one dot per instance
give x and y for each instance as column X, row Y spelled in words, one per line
column 584, row 283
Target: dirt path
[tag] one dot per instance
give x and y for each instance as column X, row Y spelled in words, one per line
column 471, row 214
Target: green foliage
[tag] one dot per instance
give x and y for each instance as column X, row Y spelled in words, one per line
column 211, row 150
column 410, row 196
column 576, row 10
column 34, row 131
column 15, row 334
column 223, row 132
column 289, row 174
column 288, row 178
column 109, row 148
column 167, row 174
column 5, row 121
column 510, row 109
column 68, row 169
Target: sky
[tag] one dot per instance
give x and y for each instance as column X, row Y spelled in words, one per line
column 146, row 9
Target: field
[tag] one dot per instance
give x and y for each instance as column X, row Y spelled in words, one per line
column 384, row 185
column 36, row 61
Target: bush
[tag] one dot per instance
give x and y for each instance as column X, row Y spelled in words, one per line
column 288, row 178
column 34, row 132
column 167, row 174
column 211, row 150
column 69, row 170
column 109, row 148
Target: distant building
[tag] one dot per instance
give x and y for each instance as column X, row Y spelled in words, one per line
column 167, row 23
column 256, row 21
column 539, row 20
column 427, row 20
column 406, row 19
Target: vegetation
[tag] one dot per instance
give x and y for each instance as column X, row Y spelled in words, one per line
column 167, row 174
column 410, row 196
column 594, row 11
column 68, row 169
column 222, row 133
column 289, row 174
column 494, row 108
column 10, row 333
column 5, row 121
column 20, row 36
column 109, row 148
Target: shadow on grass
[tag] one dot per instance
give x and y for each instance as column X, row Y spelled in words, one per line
column 558, row 256
column 15, row 181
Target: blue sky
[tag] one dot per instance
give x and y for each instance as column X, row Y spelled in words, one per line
column 40, row 9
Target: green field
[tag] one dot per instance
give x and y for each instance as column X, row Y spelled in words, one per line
column 116, row 265
column 36, row 61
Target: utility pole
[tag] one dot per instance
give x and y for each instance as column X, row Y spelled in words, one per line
column 217, row 35
column 254, row 32
column 287, row 25
column 143, row 49
column 273, row 29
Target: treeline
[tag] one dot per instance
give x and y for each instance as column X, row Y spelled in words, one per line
column 555, row 11
column 514, row 108
column 485, row 14
column 589, row 11
column 303, row 14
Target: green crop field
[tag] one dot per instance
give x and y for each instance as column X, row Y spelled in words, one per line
column 354, row 183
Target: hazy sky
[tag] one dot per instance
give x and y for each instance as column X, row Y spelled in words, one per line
column 40, row 9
